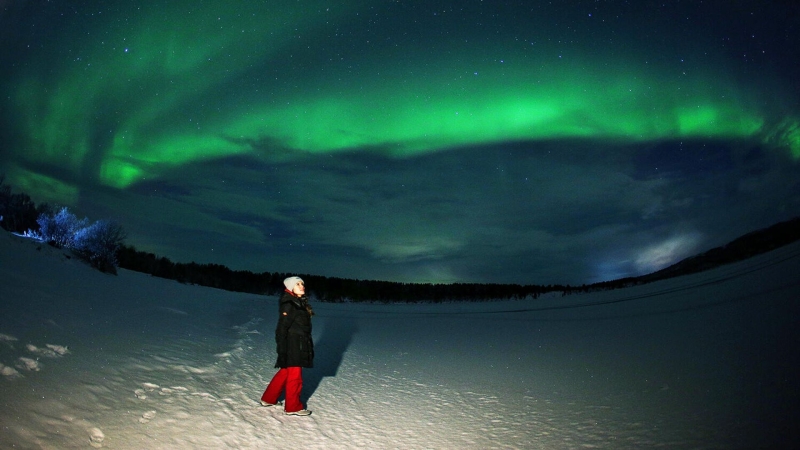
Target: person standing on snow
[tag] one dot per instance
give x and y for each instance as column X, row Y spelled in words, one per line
column 295, row 348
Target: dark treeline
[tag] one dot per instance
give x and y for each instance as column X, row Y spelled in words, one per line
column 340, row 289
column 332, row 289
column 329, row 289
column 18, row 213
column 211, row 275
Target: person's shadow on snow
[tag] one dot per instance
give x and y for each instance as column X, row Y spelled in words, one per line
column 329, row 349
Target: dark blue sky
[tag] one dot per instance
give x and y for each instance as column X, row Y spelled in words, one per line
column 522, row 142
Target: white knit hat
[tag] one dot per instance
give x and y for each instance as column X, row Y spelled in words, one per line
column 291, row 282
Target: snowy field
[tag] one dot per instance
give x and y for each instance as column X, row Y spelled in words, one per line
column 136, row 362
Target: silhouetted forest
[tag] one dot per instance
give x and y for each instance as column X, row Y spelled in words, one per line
column 332, row 289
column 324, row 288
column 18, row 213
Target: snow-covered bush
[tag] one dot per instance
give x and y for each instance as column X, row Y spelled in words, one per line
column 59, row 229
column 98, row 243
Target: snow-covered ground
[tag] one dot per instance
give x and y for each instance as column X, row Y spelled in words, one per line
column 137, row 362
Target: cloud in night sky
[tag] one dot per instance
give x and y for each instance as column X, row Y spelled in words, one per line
column 416, row 141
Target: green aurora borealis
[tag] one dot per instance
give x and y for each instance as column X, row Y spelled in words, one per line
column 113, row 94
column 144, row 88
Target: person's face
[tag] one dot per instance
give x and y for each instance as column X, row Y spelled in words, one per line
column 299, row 289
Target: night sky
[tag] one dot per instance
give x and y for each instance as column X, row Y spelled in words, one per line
column 423, row 141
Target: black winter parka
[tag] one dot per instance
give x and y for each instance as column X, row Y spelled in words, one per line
column 293, row 333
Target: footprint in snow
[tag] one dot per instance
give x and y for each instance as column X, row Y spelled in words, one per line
column 7, row 339
column 8, row 372
column 60, row 350
column 52, row 351
column 96, row 437
column 172, row 390
column 141, row 393
column 29, row 364
column 147, row 416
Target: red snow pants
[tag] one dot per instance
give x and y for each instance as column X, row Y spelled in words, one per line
column 289, row 379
